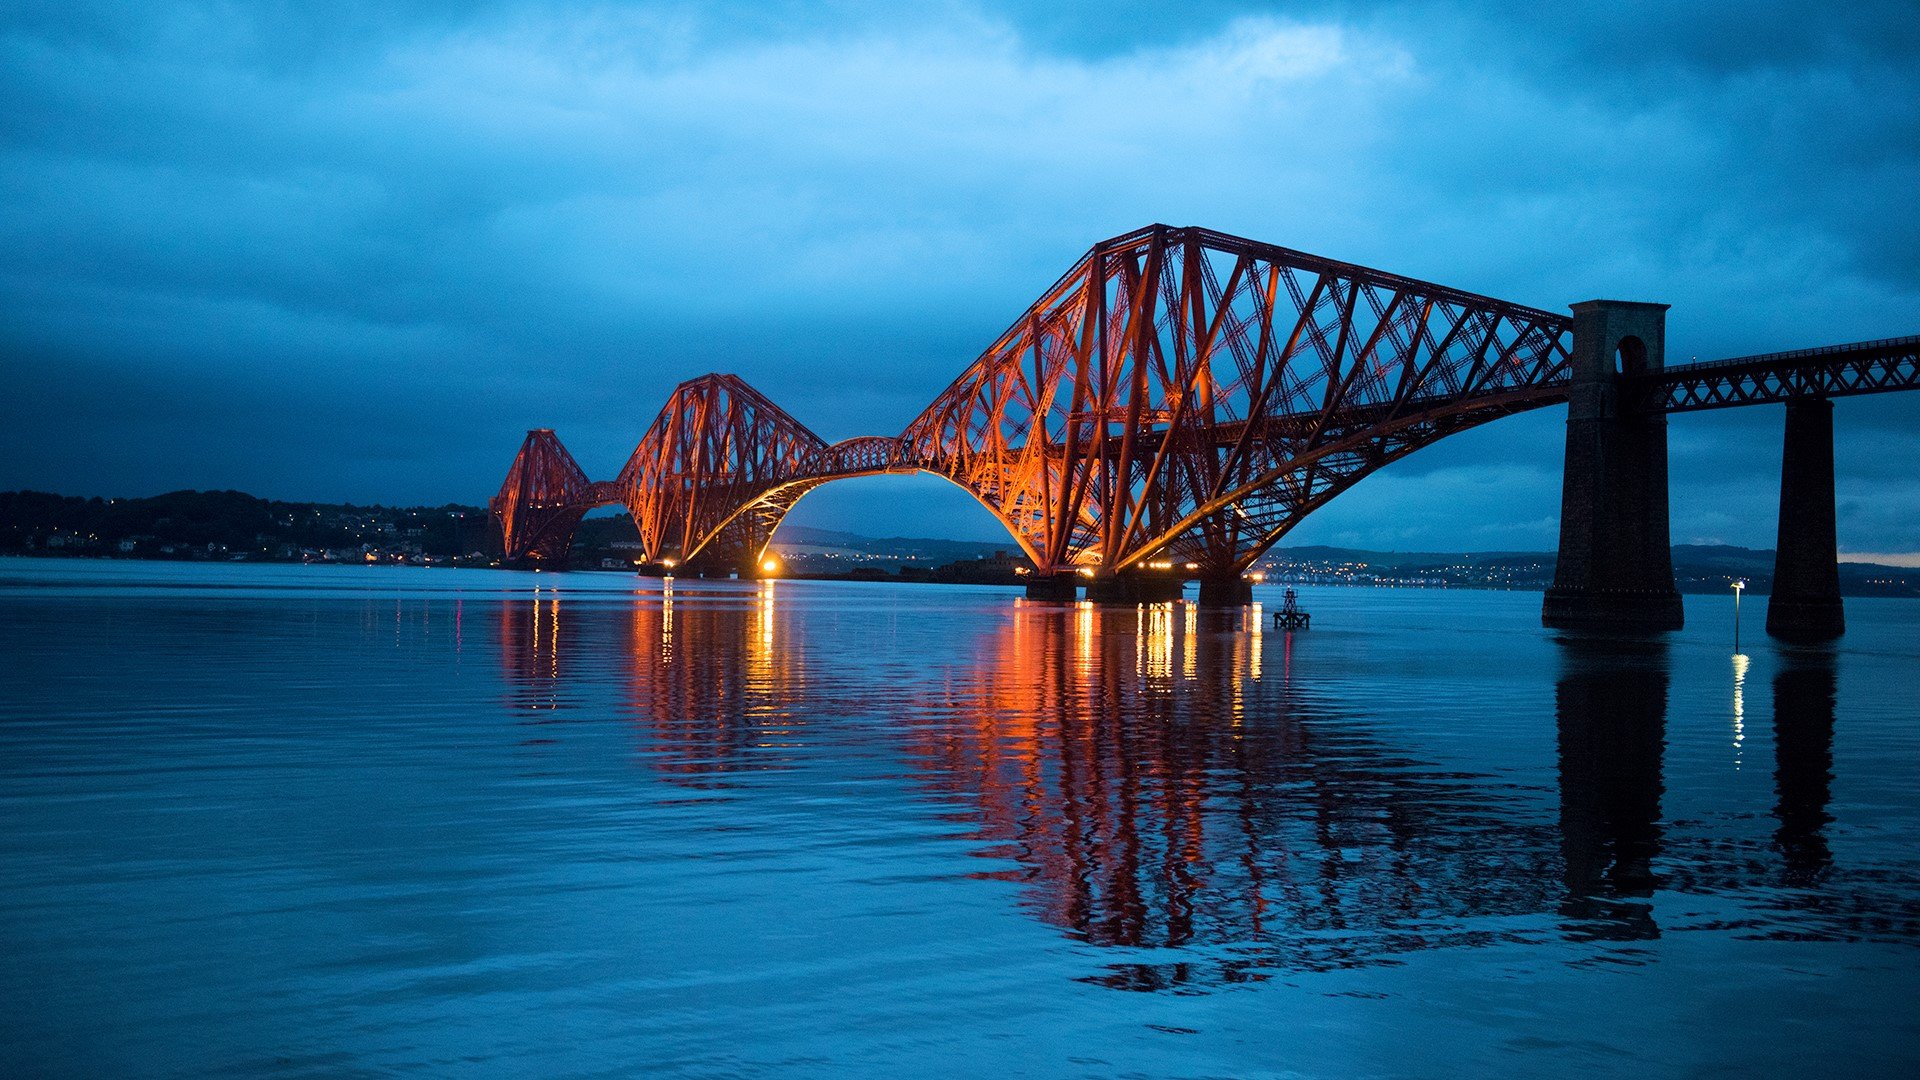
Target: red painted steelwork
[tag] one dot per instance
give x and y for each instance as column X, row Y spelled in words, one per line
column 708, row 476
column 1178, row 394
column 1185, row 392
column 545, row 496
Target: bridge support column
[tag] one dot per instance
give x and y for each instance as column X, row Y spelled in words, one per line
column 1227, row 590
column 1805, row 605
column 1134, row 588
column 1054, row 587
column 1615, row 570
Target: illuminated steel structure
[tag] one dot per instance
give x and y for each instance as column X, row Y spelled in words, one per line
column 1178, row 394
column 1179, row 397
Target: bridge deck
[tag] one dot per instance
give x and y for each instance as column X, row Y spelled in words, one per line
column 1865, row 367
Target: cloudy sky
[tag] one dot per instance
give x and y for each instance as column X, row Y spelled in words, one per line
column 352, row 251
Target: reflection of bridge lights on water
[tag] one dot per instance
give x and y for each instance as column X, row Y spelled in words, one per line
column 763, row 611
column 1083, row 636
column 1740, row 662
column 1146, row 791
column 1190, row 655
column 666, row 621
column 531, row 635
column 547, row 625
column 1153, row 641
column 1256, row 628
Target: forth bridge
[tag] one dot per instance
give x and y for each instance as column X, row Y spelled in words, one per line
column 1181, row 398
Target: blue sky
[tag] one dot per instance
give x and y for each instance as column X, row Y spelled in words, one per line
column 353, row 251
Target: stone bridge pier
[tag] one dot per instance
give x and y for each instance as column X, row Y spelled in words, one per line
column 1615, row 571
column 1805, row 605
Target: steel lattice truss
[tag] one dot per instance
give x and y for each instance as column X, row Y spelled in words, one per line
column 705, row 476
column 545, row 496
column 1179, row 394
column 1834, row 371
column 1185, row 392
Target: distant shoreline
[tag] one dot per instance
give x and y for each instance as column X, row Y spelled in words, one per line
column 1310, row 581
column 232, row 526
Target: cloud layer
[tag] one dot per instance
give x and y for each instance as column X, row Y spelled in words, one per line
column 353, row 254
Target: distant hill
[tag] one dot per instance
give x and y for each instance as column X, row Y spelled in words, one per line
column 1397, row 559
column 232, row 525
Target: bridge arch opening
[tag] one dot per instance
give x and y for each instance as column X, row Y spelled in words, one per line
column 893, row 513
column 1489, row 486
column 1630, row 358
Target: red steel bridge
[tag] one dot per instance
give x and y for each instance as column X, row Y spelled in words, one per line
column 1179, row 397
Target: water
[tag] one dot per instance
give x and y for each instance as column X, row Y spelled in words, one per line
column 286, row 821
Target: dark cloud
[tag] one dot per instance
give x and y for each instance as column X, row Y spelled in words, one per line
column 354, row 250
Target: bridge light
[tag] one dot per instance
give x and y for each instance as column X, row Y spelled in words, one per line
column 1738, row 585
column 770, row 564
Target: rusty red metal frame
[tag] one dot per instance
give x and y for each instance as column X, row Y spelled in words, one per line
column 1179, row 394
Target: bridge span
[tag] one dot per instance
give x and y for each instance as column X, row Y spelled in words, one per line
column 1182, row 397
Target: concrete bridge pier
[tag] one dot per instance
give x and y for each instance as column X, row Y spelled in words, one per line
column 1134, row 587
column 1615, row 570
column 1805, row 605
column 1226, row 590
column 1058, row 588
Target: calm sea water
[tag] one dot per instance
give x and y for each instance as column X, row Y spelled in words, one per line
column 287, row 821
